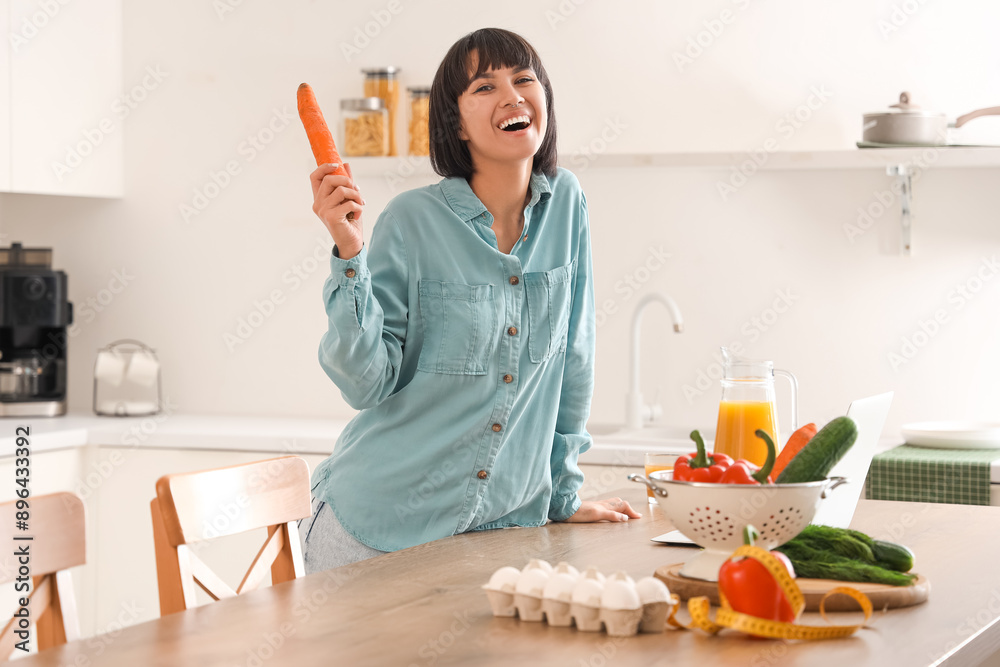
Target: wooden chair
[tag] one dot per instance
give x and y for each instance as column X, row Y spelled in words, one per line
column 57, row 524
column 193, row 507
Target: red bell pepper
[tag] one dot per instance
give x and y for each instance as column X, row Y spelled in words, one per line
column 750, row 588
column 744, row 472
column 699, row 466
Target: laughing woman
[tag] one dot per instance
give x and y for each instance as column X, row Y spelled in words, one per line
column 465, row 333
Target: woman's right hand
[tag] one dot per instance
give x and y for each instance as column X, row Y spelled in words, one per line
column 334, row 197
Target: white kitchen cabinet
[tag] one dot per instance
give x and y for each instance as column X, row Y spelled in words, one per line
column 126, row 576
column 62, row 131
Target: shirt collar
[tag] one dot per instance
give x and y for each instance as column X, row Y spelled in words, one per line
column 466, row 204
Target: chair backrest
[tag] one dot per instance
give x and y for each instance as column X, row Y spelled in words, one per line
column 194, row 507
column 53, row 541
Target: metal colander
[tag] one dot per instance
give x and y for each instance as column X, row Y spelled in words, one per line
column 714, row 515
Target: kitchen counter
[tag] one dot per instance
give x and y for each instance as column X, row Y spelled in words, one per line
column 424, row 606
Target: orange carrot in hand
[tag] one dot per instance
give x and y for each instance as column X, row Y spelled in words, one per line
column 320, row 139
column 795, row 443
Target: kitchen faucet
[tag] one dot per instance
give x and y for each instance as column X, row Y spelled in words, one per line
column 635, row 412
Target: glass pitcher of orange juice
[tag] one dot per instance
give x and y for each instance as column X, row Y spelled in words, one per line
column 747, row 405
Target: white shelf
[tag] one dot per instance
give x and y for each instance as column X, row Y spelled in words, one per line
column 402, row 167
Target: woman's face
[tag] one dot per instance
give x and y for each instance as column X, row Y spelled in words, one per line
column 492, row 99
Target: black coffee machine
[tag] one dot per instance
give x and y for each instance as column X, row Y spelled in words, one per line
column 34, row 316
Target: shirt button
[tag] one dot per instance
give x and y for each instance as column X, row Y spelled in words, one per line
column 512, row 331
column 508, row 378
column 350, row 273
column 497, row 427
column 482, row 474
column 514, row 280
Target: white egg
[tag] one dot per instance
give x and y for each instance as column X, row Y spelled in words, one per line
column 539, row 564
column 532, row 582
column 504, row 579
column 566, row 568
column 620, row 593
column 587, row 591
column 560, row 586
column 652, row 589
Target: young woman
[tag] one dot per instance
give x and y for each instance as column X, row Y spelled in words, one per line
column 465, row 333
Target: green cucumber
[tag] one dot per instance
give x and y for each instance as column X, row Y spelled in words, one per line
column 893, row 556
column 817, row 458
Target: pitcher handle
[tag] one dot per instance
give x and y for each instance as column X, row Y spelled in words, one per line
column 788, row 375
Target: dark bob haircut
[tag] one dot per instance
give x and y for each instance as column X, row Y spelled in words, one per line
column 496, row 49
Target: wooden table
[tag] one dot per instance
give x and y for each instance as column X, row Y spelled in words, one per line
column 424, row 606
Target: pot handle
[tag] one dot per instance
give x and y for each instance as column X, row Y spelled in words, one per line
column 988, row 111
column 834, row 483
column 659, row 491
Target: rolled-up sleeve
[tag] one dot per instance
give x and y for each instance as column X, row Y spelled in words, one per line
column 571, row 436
column 366, row 301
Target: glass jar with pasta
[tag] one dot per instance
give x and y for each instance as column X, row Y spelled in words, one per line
column 364, row 124
column 419, row 128
column 383, row 82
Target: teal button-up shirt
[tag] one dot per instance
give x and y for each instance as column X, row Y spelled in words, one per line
column 473, row 369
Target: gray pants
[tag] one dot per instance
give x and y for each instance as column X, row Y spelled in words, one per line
column 325, row 543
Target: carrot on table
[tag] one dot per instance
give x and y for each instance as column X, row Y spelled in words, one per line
column 795, row 443
column 320, row 138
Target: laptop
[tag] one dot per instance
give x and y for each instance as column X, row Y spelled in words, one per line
column 837, row 509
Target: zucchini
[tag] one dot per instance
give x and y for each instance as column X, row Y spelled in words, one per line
column 817, row 458
column 893, row 556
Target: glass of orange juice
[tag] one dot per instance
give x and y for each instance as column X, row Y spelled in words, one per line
column 656, row 462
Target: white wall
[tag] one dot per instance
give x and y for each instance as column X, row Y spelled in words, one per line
column 226, row 76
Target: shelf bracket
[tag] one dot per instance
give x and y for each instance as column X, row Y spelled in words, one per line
column 903, row 174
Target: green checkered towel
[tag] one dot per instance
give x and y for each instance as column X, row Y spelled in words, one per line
column 921, row 474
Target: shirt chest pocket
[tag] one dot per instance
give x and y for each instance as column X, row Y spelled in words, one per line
column 550, row 299
column 459, row 322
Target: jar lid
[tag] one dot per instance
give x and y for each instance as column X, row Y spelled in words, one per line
column 383, row 72
column 362, row 104
column 419, row 90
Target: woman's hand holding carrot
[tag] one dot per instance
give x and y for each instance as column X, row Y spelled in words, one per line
column 335, row 198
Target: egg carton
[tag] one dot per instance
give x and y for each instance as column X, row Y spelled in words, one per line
column 563, row 597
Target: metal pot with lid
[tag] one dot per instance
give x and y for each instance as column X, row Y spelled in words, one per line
column 909, row 125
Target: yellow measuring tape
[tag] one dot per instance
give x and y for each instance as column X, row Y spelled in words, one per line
column 726, row 617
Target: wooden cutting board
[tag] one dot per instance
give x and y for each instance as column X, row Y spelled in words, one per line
column 882, row 596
